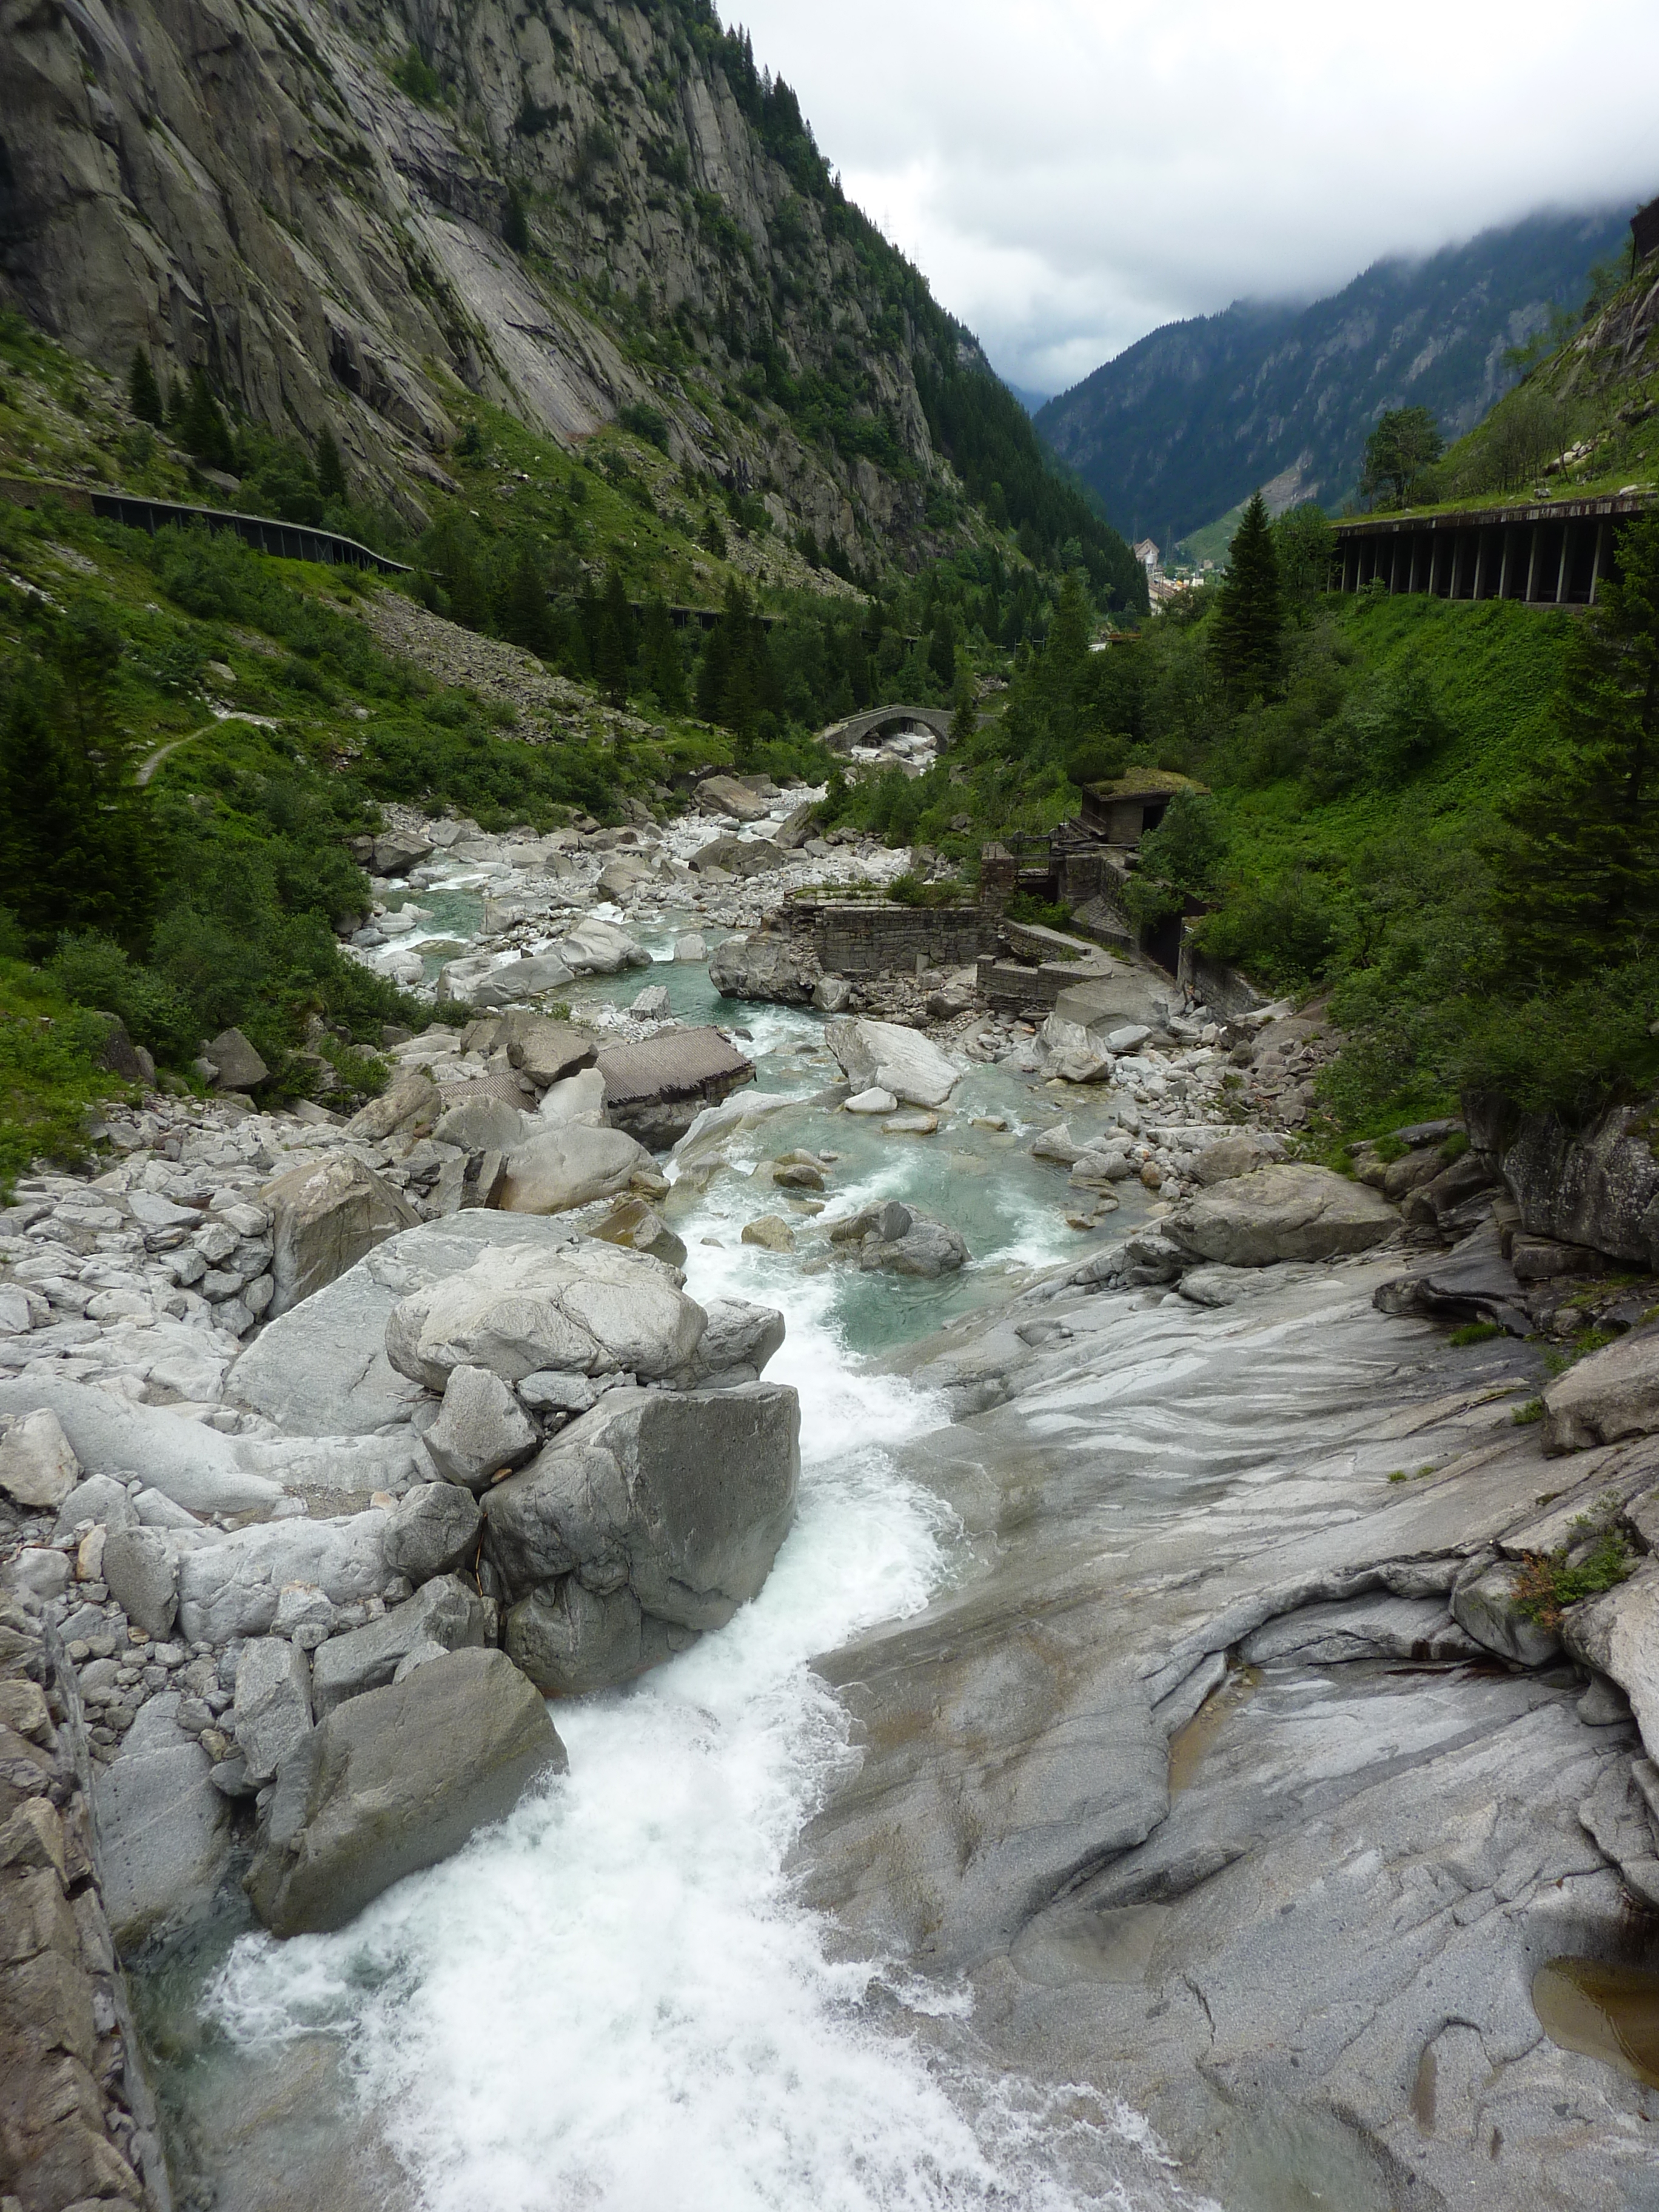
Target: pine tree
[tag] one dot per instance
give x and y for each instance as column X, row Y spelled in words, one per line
column 524, row 611
column 201, row 426
column 331, row 470
column 515, row 229
column 143, row 392
column 1248, row 631
column 942, row 652
column 661, row 662
column 1576, row 872
column 611, row 652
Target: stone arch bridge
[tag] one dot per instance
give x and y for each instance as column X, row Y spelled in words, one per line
column 887, row 721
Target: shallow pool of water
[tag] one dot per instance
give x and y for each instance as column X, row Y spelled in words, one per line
column 1607, row 2012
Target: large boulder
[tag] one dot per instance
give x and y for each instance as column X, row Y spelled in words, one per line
column 885, row 1056
column 446, row 1614
column 321, row 1369
column 1282, row 1212
column 235, row 1064
column 655, row 1089
column 433, row 1529
column 410, row 1105
column 484, row 979
column 895, row 1238
column 570, row 1165
column 37, row 1466
column 1612, row 1393
column 666, row 1507
column 481, row 1428
column 576, row 1100
column 591, row 1309
column 545, row 1050
column 1238, row 1154
column 1618, row 1635
column 395, row 1780
column 724, row 794
column 775, row 969
column 737, row 1343
column 195, row 1467
column 1597, row 1186
column 142, row 1570
column 602, row 948
column 737, row 856
column 273, row 1707
column 323, row 1219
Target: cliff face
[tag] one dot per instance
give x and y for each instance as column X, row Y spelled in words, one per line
column 242, row 184
column 1180, row 427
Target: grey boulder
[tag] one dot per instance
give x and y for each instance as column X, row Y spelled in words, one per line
column 237, row 1065
column 885, row 1056
column 394, row 1781
column 141, row 1568
column 681, row 1498
column 568, row 1165
column 37, row 1466
column 480, row 980
column 601, row 948
column 481, row 1428
column 1486, row 1607
column 233, row 1587
column 1279, row 1212
column 588, row 1310
column 323, row 1220
column 446, row 1614
column 432, row 1530
column 775, row 969
column 273, row 1708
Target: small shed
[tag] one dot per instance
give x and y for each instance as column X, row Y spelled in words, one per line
column 1123, row 811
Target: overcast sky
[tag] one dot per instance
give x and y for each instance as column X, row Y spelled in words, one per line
column 1071, row 173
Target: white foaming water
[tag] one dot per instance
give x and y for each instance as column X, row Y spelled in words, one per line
column 612, row 2000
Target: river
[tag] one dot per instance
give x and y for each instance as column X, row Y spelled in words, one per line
column 613, row 1999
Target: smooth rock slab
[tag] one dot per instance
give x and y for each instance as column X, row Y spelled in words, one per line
column 1618, row 1635
column 233, row 1587
column 1280, row 1212
column 164, row 1842
column 394, row 1781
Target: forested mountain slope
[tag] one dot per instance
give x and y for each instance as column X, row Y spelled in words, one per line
column 1180, row 428
column 353, row 215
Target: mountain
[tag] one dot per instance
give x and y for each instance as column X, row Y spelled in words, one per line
column 354, row 218
column 1030, row 400
column 1187, row 423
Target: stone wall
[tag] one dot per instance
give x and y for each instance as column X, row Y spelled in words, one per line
column 77, row 2119
column 858, row 939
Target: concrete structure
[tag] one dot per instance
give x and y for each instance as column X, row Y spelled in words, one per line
column 1120, row 813
column 864, row 938
column 289, row 541
column 1550, row 553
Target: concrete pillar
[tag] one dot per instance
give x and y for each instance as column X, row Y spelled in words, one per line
column 1562, row 571
column 1600, row 530
column 1532, row 563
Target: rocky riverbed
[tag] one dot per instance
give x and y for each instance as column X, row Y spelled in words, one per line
column 1031, row 1595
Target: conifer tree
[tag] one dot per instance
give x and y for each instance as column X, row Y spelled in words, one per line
column 515, row 229
column 1247, row 631
column 942, row 652
column 201, row 426
column 660, row 663
column 143, row 392
column 611, row 648
column 524, row 611
column 331, row 470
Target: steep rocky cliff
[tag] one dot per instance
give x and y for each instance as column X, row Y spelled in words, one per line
column 352, row 214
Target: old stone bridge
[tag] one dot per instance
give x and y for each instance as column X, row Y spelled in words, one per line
column 886, row 722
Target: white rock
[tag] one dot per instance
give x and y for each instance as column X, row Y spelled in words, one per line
column 38, row 1465
column 601, row 948
column 872, row 1101
column 578, row 1100
column 884, row 1056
